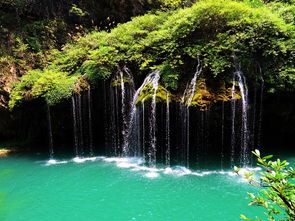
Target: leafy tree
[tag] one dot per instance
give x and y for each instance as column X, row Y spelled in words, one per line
column 172, row 40
column 278, row 194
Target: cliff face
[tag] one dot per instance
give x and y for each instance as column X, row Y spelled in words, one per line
column 51, row 39
column 8, row 75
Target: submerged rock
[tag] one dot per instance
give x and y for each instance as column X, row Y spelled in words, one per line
column 5, row 152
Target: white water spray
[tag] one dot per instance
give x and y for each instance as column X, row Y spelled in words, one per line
column 152, row 81
column 90, row 122
column 244, row 130
column 167, row 130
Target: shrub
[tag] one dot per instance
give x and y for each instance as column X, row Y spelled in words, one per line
column 278, row 193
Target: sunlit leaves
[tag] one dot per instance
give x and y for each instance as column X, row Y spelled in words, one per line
column 278, row 197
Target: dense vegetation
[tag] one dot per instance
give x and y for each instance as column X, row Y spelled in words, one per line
column 260, row 35
column 30, row 29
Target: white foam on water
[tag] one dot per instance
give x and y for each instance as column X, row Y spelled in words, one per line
column 84, row 159
column 54, row 162
column 126, row 165
column 152, row 175
column 177, row 171
column 116, row 159
column 137, row 164
column 134, row 164
column 125, row 162
column 144, row 168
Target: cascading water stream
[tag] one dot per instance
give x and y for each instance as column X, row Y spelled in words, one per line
column 117, row 123
column 108, row 119
column 167, row 129
column 80, row 124
column 123, row 101
column 153, row 139
column 90, row 122
column 76, row 145
column 189, row 92
column 143, row 129
column 121, row 89
column 50, row 137
column 233, row 111
column 244, row 131
column 151, row 80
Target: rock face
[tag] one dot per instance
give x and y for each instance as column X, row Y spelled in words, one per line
column 8, row 74
column 5, row 87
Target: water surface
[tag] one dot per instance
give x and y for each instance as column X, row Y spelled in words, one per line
column 31, row 189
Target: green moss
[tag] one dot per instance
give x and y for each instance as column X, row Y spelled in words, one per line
column 148, row 91
column 116, row 82
column 205, row 96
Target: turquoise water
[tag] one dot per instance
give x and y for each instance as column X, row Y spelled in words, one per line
column 100, row 188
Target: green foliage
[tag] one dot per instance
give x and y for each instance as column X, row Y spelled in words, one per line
column 44, row 34
column 77, row 11
column 210, row 29
column 169, row 77
column 53, row 86
column 278, row 195
column 174, row 4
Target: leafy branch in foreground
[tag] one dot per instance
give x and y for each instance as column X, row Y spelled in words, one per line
column 277, row 195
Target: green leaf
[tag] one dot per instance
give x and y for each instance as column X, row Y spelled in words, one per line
column 267, row 157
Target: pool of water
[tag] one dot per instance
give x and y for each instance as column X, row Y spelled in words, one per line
column 34, row 189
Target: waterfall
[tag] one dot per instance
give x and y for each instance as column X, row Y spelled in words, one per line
column 51, row 153
column 187, row 136
column 123, row 107
column 117, row 122
column 80, row 123
column 111, row 119
column 152, row 126
column 244, row 131
column 233, row 116
column 167, row 130
column 90, row 122
column 121, row 91
column 190, row 89
column 108, row 119
column 189, row 95
column 143, row 129
column 133, row 125
column 182, row 155
column 75, row 126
